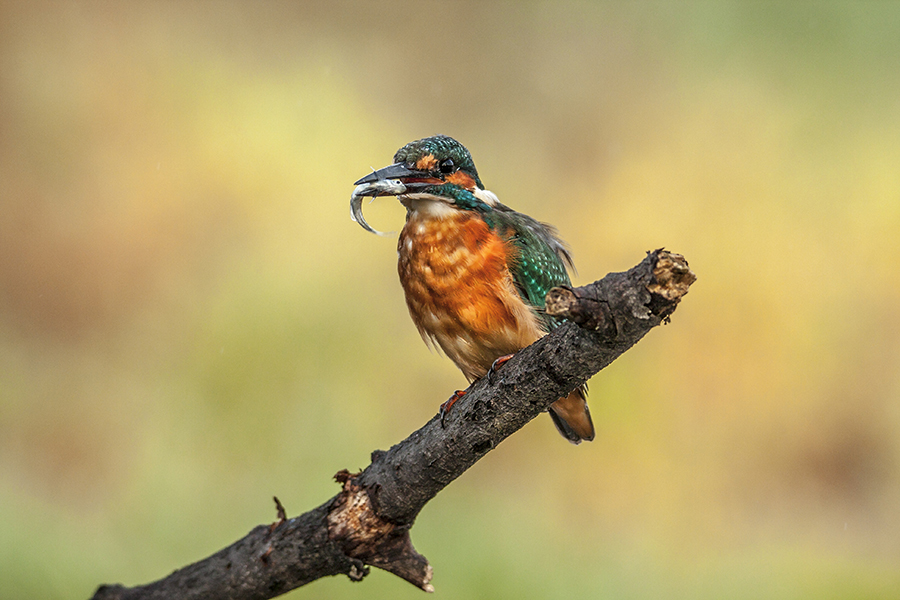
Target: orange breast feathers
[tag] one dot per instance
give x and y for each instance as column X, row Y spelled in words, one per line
column 460, row 292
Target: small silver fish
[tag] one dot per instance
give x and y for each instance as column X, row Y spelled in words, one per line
column 388, row 187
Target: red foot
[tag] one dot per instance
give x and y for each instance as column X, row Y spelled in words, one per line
column 497, row 363
column 446, row 406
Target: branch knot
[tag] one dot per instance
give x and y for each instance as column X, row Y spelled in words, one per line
column 365, row 536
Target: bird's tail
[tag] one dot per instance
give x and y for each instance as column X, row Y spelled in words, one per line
column 572, row 417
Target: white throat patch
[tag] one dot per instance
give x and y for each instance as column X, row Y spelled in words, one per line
column 427, row 205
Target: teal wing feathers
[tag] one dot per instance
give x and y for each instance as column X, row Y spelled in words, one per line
column 542, row 258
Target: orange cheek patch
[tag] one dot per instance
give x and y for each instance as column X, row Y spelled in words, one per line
column 462, row 179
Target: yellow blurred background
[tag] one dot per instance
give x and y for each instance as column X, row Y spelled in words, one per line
column 190, row 323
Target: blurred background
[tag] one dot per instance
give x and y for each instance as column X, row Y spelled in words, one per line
column 190, row 323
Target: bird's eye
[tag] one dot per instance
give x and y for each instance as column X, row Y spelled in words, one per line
column 447, row 166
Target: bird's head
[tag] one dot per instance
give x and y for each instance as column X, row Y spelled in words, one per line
column 434, row 169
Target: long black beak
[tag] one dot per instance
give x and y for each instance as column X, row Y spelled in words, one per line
column 395, row 171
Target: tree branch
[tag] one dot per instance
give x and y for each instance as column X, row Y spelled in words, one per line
column 368, row 522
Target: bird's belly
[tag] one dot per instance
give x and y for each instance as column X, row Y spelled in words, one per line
column 460, row 292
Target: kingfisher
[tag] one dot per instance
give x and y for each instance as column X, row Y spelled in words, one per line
column 474, row 271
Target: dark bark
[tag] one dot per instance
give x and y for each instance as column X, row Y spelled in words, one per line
column 368, row 522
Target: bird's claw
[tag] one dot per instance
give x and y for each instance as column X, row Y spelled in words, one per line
column 495, row 365
column 446, row 406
